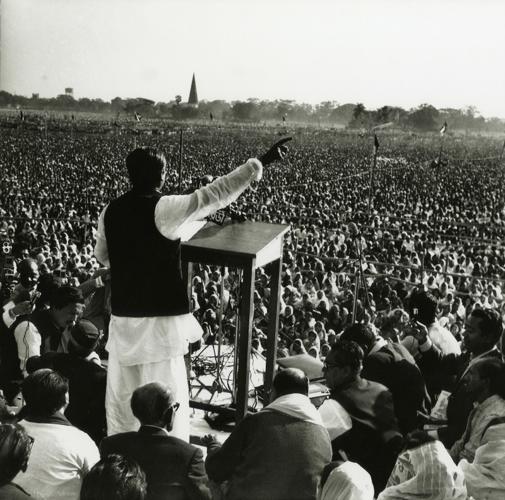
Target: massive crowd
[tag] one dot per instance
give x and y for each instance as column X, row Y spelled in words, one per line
column 426, row 246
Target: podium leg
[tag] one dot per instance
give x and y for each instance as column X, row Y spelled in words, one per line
column 273, row 323
column 246, row 312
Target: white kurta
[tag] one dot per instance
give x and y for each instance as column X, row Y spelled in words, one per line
column 150, row 349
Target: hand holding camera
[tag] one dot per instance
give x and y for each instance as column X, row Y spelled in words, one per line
column 417, row 330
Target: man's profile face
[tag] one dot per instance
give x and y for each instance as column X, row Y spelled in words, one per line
column 473, row 337
column 335, row 374
column 68, row 315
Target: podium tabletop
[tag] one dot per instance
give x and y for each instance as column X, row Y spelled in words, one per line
column 235, row 243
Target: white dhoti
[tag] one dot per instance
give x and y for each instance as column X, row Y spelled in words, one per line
column 144, row 350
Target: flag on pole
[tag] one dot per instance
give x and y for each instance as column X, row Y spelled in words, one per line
column 375, row 143
column 443, row 129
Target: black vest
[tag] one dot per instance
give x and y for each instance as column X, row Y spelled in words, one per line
column 146, row 275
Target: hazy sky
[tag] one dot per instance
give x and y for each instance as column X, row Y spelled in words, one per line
column 450, row 53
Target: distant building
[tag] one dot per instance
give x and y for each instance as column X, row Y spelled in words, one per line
column 193, row 96
column 35, row 95
column 69, row 91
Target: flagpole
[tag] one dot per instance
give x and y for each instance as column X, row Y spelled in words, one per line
column 440, row 152
column 442, row 133
column 370, row 186
column 180, row 162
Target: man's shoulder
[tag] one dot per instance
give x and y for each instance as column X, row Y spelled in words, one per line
column 495, row 353
column 375, row 387
column 66, row 434
column 122, row 437
column 384, row 355
column 69, row 363
column 272, row 418
column 158, row 439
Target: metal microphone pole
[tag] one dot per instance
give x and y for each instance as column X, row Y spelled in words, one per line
column 374, row 164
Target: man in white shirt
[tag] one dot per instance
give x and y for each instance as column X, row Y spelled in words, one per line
column 62, row 454
column 139, row 237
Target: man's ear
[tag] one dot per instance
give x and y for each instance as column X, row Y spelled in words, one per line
column 168, row 417
column 67, row 401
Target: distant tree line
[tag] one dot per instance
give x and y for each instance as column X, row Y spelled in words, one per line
column 422, row 118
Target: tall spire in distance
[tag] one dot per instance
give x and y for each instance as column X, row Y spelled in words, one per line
column 193, row 96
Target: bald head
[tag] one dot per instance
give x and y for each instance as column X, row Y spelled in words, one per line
column 290, row 381
column 150, row 403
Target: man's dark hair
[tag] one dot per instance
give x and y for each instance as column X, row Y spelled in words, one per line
column 348, row 353
column 145, row 168
column 491, row 324
column 15, row 448
column 150, row 402
column 426, row 305
column 493, row 369
column 65, row 295
column 44, row 392
column 291, row 381
column 47, row 285
column 114, row 478
column 361, row 334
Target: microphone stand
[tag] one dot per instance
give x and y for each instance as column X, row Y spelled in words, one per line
column 359, row 277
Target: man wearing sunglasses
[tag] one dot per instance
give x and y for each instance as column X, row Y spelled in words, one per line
column 173, row 468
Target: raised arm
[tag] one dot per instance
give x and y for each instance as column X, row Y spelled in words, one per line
column 172, row 212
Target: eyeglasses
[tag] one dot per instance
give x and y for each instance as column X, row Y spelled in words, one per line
column 175, row 407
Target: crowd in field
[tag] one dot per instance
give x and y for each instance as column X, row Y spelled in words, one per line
column 424, row 242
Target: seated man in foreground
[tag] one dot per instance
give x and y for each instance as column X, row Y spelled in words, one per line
column 278, row 453
column 174, row 468
column 374, row 439
column 62, row 454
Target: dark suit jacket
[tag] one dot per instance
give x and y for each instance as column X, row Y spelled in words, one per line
column 451, row 368
column 394, row 367
column 271, row 456
column 174, row 468
column 374, row 440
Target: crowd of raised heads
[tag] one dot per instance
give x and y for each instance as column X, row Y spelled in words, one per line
column 423, row 239
column 439, row 227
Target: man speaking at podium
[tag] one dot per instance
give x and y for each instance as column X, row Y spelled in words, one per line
column 139, row 238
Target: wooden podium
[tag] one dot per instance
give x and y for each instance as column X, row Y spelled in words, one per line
column 246, row 246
